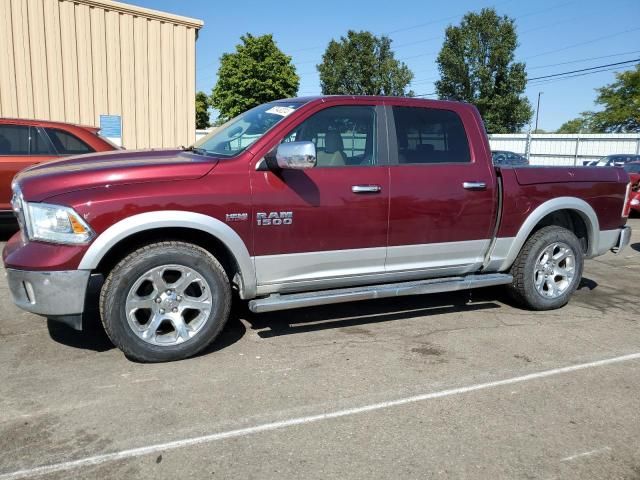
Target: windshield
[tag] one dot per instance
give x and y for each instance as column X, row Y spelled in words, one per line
column 632, row 167
column 240, row 132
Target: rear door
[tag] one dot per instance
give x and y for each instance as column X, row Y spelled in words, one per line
column 20, row 146
column 322, row 227
column 443, row 193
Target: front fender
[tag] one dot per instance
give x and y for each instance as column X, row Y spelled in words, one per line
column 171, row 219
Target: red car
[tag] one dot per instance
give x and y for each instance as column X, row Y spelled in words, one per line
column 298, row 203
column 25, row 142
column 633, row 169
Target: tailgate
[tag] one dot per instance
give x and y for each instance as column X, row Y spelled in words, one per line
column 539, row 175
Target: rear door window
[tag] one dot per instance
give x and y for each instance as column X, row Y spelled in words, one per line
column 14, row 140
column 430, row 135
column 67, row 143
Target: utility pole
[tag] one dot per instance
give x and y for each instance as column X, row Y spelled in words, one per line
column 537, row 111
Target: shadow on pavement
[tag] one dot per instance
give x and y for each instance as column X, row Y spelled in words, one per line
column 636, row 246
column 93, row 336
column 587, row 283
column 312, row 319
column 370, row 312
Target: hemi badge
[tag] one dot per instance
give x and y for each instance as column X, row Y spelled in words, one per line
column 237, row 217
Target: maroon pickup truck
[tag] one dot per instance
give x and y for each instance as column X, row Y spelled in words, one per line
column 297, row 203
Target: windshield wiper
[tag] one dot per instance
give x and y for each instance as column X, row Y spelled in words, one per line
column 196, row 150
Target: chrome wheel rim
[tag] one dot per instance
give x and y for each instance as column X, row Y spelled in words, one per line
column 555, row 270
column 168, row 305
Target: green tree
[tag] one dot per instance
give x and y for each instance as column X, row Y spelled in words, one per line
column 577, row 125
column 477, row 65
column 257, row 72
column 362, row 64
column 621, row 102
column 202, row 110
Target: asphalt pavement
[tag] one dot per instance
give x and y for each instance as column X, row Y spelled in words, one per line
column 455, row 386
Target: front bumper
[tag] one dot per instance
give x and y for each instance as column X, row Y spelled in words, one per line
column 51, row 294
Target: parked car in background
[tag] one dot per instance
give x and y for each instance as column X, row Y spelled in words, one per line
column 298, row 203
column 633, row 169
column 26, row 142
column 614, row 161
column 505, row 158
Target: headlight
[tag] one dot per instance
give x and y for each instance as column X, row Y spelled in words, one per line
column 635, row 202
column 55, row 223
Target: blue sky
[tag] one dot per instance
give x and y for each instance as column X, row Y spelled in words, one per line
column 550, row 33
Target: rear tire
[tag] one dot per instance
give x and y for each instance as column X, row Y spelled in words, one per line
column 547, row 270
column 165, row 301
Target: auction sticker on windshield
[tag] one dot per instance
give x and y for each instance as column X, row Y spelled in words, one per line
column 282, row 111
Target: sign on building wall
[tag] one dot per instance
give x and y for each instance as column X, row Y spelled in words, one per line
column 111, row 128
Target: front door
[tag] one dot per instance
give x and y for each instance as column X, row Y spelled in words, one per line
column 443, row 196
column 320, row 227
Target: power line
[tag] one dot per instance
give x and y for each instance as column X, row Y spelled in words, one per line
column 550, row 80
column 583, row 43
column 544, row 66
column 585, row 69
column 433, row 22
column 582, row 60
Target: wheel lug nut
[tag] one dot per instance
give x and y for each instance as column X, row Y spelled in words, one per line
column 179, row 297
column 175, row 310
column 162, row 310
column 158, row 300
column 168, row 292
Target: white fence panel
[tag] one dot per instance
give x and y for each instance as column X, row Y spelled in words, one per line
column 566, row 149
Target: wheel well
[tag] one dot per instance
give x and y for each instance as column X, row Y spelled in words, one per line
column 569, row 219
column 189, row 235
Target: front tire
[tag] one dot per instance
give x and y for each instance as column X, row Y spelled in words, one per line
column 165, row 301
column 548, row 269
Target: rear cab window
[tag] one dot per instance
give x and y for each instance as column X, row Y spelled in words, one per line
column 429, row 136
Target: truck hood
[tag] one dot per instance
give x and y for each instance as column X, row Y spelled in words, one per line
column 48, row 179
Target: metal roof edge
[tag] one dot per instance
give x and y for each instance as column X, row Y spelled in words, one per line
column 142, row 12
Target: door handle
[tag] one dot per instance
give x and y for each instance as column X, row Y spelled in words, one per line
column 366, row 188
column 474, row 186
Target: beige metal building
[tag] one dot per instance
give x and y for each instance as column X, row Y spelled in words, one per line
column 74, row 60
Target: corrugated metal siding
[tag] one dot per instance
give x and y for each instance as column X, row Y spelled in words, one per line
column 73, row 60
column 566, row 149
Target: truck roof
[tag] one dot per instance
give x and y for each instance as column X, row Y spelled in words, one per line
column 376, row 98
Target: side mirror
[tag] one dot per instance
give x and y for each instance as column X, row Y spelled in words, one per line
column 296, row 155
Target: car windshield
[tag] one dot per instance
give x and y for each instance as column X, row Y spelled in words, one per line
column 239, row 133
column 632, row 167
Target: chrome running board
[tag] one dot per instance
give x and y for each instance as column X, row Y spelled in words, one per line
column 324, row 297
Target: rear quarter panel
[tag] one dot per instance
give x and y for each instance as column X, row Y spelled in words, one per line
column 527, row 188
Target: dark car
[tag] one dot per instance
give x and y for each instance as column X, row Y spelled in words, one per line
column 505, row 158
column 26, row 142
column 614, row 160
